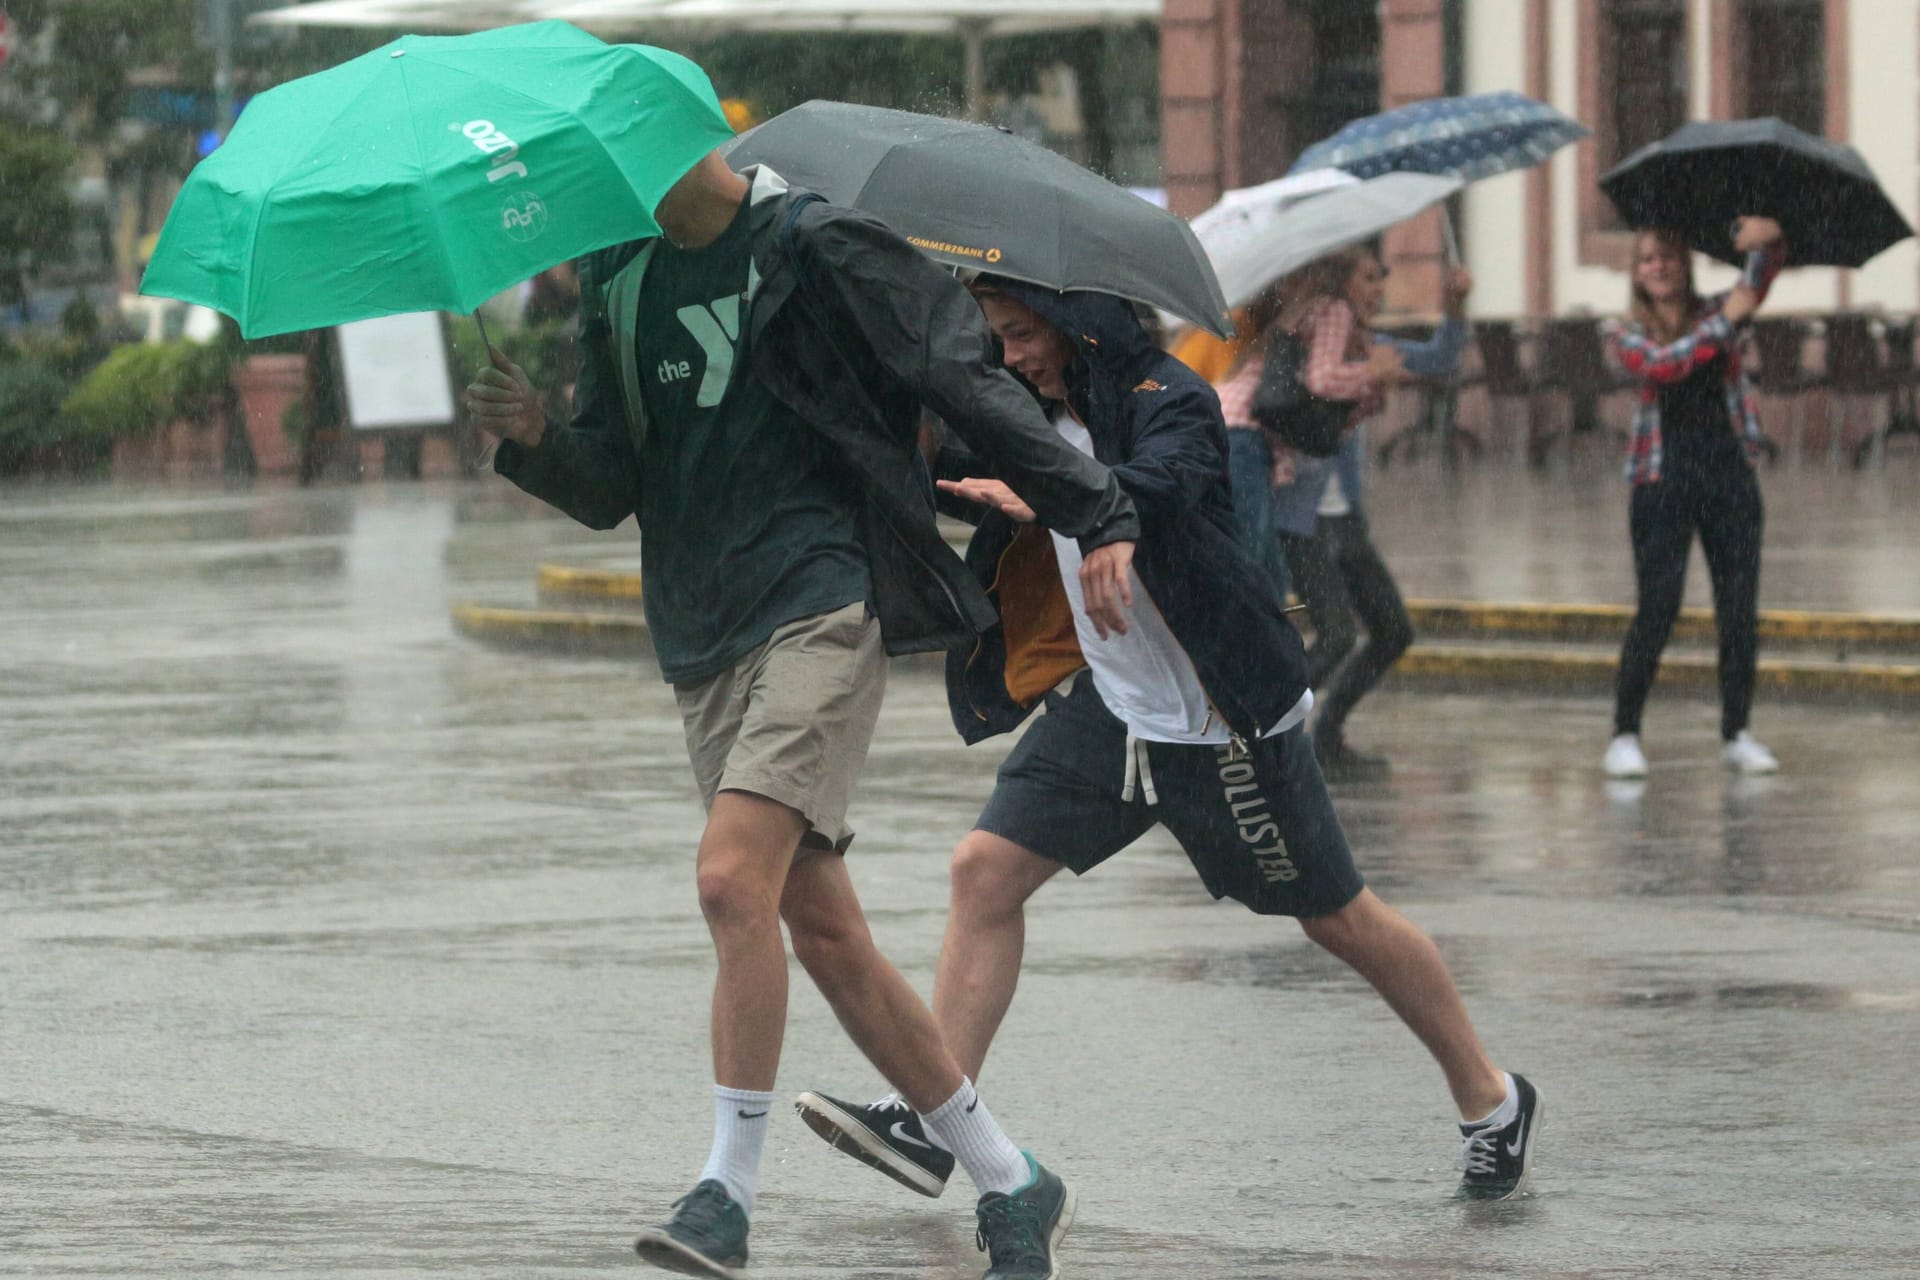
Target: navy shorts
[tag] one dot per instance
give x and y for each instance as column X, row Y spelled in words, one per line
column 1259, row 828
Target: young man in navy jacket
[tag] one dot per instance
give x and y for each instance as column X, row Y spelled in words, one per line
column 1187, row 713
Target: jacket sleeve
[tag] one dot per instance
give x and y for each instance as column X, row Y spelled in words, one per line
column 1176, row 454
column 1762, row 268
column 1437, row 357
column 586, row 466
column 927, row 334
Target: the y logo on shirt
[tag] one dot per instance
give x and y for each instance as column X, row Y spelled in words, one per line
column 716, row 327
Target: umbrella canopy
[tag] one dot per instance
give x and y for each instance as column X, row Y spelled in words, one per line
column 1472, row 137
column 432, row 173
column 1281, row 237
column 1702, row 176
column 1232, row 230
column 975, row 196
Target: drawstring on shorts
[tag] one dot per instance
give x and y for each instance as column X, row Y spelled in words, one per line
column 1139, row 770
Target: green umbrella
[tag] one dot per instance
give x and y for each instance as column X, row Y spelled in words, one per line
column 432, row 173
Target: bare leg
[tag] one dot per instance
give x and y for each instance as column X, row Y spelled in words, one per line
column 745, row 854
column 1404, row 966
column 986, row 937
column 879, row 1009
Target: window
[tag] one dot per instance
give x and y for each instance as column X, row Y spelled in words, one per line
column 1785, row 61
column 1648, row 43
column 1633, row 89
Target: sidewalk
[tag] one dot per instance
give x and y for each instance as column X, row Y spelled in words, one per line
column 1519, row 579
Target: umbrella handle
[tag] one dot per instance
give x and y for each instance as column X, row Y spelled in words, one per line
column 491, row 350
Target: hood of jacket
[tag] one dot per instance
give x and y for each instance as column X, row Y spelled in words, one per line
column 1106, row 336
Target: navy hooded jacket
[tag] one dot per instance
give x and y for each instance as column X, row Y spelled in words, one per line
column 1157, row 426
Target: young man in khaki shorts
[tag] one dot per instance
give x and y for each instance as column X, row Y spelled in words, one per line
column 755, row 401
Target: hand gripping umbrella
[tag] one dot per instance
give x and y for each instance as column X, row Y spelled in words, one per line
column 975, row 196
column 1702, row 176
column 432, row 173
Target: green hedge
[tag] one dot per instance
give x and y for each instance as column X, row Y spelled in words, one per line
column 142, row 386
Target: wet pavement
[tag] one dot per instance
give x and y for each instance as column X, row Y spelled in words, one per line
column 333, row 945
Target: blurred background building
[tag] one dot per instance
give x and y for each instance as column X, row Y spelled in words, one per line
column 1247, row 84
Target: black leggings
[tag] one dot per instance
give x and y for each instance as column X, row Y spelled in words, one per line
column 1723, row 503
column 1345, row 585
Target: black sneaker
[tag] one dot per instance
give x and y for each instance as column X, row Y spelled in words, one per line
column 1498, row 1160
column 707, row 1235
column 1020, row 1232
column 886, row 1135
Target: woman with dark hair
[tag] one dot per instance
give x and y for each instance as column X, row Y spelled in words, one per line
column 1256, row 460
column 1691, row 463
column 1314, row 508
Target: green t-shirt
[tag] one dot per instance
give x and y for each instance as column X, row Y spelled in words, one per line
column 748, row 518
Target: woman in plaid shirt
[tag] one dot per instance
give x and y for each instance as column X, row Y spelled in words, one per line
column 1691, row 463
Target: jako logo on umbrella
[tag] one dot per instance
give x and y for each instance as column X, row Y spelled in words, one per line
column 524, row 215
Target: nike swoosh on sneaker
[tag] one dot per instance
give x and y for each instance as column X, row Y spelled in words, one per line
column 751, row 1115
column 900, row 1134
column 1519, row 1144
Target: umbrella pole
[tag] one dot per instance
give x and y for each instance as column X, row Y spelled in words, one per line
column 491, row 349
column 1449, row 400
column 973, row 32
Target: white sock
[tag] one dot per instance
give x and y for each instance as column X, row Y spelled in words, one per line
column 965, row 1127
column 1502, row 1115
column 739, row 1133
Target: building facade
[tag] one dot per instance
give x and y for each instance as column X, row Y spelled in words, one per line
column 1246, row 84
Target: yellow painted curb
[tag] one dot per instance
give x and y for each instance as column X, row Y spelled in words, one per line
column 555, row 581
column 1456, row 618
column 1570, row 671
column 553, row 630
column 1894, row 686
column 1595, row 622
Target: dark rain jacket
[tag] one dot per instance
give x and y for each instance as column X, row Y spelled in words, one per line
column 869, row 333
column 1157, row 425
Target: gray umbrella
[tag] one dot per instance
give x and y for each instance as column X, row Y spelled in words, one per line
column 976, row 196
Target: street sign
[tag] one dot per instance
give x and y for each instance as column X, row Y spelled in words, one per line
column 6, row 37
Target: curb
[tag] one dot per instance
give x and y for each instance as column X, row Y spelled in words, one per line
column 552, row 631
column 1608, row 623
column 1453, row 619
column 1424, row 666
column 1461, row 667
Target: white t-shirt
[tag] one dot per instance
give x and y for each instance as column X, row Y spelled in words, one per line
column 1145, row 677
column 1333, row 499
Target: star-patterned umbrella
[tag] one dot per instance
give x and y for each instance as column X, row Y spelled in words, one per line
column 1472, row 138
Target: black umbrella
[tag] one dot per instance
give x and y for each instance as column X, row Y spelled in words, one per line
column 975, row 196
column 1702, row 176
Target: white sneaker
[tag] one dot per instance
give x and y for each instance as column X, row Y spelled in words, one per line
column 1624, row 759
column 1744, row 755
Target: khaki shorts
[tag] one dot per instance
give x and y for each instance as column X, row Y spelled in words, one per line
column 792, row 720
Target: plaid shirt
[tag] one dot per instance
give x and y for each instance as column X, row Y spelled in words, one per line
column 1657, row 366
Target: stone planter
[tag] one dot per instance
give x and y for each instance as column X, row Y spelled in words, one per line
column 267, row 385
column 183, row 449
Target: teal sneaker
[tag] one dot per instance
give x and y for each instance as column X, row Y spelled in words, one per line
column 707, row 1235
column 1020, row 1232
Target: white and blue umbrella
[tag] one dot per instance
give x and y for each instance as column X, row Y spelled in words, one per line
column 1472, row 137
